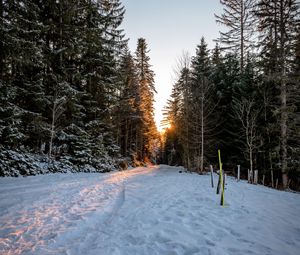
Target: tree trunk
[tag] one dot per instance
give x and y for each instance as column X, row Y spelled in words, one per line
column 130, row 137
column 251, row 159
column 202, row 131
column 272, row 179
column 2, row 55
column 283, row 97
column 52, row 129
column 284, row 138
column 255, row 176
column 126, row 139
column 211, row 176
column 242, row 37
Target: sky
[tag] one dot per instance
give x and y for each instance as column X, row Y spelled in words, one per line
column 170, row 27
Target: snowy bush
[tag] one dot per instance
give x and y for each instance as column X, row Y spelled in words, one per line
column 17, row 163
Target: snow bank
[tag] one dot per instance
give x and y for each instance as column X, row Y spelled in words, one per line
column 14, row 163
column 154, row 210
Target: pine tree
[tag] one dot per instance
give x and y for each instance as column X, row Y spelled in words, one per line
column 59, row 79
column 203, row 121
column 176, row 115
column 62, row 77
column 226, row 77
column 294, row 118
column 127, row 105
column 21, row 72
column 145, row 76
column 278, row 21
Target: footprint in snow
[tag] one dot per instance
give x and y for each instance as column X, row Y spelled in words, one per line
column 234, row 233
column 203, row 250
column 134, row 240
column 167, row 218
column 210, row 243
column 180, row 213
column 170, row 232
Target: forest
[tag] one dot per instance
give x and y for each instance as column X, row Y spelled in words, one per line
column 73, row 97
column 241, row 97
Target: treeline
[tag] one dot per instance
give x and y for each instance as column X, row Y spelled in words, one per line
column 243, row 96
column 70, row 90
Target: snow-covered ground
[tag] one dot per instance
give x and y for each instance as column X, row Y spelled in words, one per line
column 154, row 210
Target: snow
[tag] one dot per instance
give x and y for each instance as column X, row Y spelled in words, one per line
column 154, row 210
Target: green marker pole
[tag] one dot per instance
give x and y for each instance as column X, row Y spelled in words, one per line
column 221, row 179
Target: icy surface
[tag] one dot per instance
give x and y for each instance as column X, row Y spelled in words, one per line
column 154, row 210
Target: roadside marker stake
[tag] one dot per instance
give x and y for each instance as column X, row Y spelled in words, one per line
column 221, row 179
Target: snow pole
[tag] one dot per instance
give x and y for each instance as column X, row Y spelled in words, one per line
column 211, row 176
column 221, row 179
column 218, row 186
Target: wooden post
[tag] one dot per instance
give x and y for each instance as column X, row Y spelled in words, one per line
column 239, row 172
column 211, row 176
column 272, row 179
column 251, row 176
column 222, row 185
column 263, row 180
column 276, row 187
column 255, row 176
column 221, row 179
column 248, row 176
column 289, row 182
column 219, row 183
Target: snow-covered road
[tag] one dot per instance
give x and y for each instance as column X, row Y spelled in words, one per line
column 154, row 210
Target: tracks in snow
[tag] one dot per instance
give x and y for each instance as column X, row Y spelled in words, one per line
column 49, row 213
column 144, row 211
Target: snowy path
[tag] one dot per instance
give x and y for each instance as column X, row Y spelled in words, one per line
column 153, row 210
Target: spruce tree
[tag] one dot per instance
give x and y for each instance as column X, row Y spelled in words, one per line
column 127, row 105
column 278, row 21
column 204, row 118
column 145, row 76
column 21, row 73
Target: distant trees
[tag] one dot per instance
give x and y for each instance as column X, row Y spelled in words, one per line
column 135, row 113
column 243, row 96
column 126, row 110
column 279, row 22
column 204, row 104
column 176, row 115
column 190, row 110
column 145, row 77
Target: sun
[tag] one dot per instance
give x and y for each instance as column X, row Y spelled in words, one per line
column 163, row 128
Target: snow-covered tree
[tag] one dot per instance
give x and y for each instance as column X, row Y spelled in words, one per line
column 145, row 77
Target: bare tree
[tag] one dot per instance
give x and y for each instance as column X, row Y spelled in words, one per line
column 247, row 113
column 182, row 71
column 203, row 121
column 58, row 108
column 238, row 17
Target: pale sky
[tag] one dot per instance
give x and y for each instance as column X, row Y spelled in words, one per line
column 169, row 27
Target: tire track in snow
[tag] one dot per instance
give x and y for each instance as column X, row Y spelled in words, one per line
column 155, row 222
